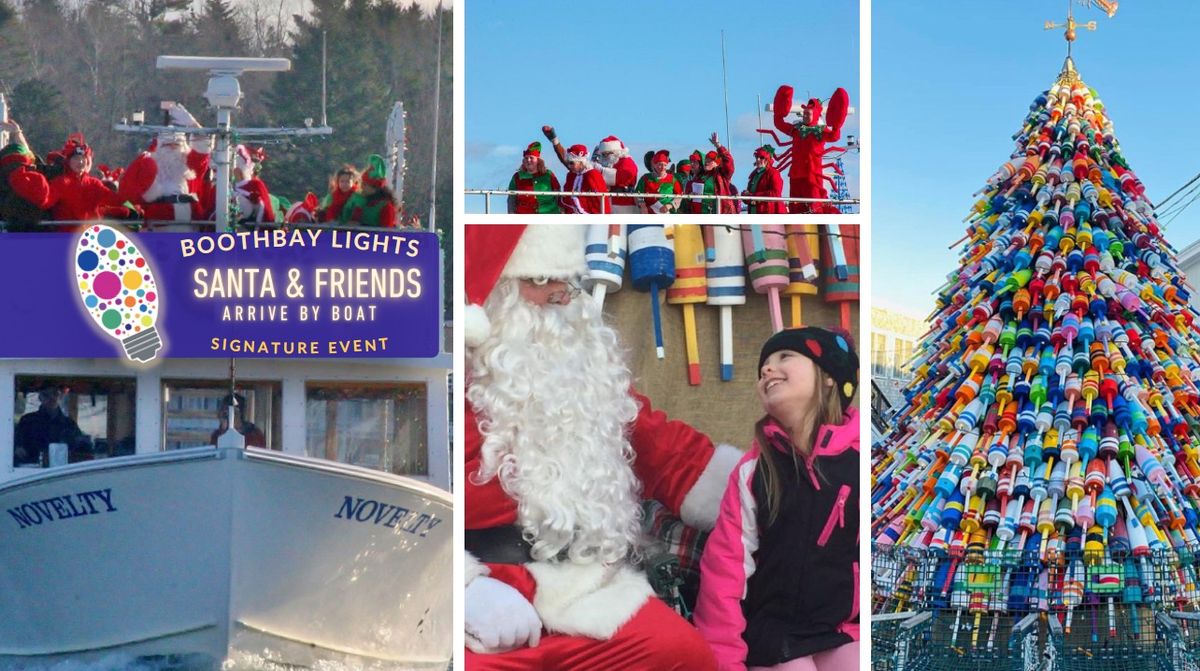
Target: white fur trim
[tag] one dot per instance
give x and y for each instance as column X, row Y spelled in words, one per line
column 703, row 500
column 614, row 146
column 472, row 568
column 587, row 599
column 549, row 250
column 476, row 325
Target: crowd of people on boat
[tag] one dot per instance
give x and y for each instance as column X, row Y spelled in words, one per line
column 609, row 169
column 173, row 180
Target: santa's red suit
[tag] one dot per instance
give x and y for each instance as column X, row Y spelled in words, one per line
column 254, row 201
column 621, row 175
column 595, row 615
column 179, row 201
column 671, row 457
column 589, row 181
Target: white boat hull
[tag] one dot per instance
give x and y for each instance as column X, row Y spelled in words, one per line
column 217, row 552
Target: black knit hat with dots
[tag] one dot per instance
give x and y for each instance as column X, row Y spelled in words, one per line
column 833, row 352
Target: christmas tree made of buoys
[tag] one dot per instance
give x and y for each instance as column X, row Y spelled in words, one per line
column 1044, row 459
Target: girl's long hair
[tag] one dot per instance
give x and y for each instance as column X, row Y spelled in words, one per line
column 826, row 411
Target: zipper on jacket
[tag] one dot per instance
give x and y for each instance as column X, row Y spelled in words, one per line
column 837, row 516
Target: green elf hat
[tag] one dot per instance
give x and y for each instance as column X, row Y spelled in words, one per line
column 15, row 154
column 376, row 171
column 534, row 149
column 696, row 156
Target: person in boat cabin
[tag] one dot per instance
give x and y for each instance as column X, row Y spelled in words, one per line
column 250, row 192
column 375, row 203
column 660, row 180
column 75, row 195
column 533, row 176
column 253, row 435
column 48, row 424
column 583, row 177
column 560, row 451
column 342, row 185
column 779, row 574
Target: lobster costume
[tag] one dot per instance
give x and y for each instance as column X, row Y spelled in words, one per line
column 806, row 149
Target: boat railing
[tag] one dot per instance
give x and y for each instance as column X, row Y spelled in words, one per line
column 150, row 225
column 488, row 193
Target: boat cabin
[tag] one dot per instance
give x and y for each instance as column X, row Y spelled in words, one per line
column 385, row 414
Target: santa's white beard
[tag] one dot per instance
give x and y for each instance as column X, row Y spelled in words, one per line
column 552, row 396
column 172, row 173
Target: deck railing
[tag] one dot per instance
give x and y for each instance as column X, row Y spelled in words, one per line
column 488, row 193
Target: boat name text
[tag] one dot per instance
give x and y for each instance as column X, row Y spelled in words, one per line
column 55, row 508
column 359, row 509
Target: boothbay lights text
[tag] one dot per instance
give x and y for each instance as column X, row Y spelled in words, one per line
column 362, row 241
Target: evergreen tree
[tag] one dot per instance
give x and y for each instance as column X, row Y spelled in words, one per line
column 37, row 99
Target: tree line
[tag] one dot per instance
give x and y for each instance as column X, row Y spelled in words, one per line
column 82, row 65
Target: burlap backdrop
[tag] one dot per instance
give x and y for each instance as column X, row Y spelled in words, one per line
column 726, row 411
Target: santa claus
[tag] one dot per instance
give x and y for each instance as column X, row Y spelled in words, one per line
column 612, row 160
column 168, row 181
column 250, row 192
column 559, row 452
column 583, row 177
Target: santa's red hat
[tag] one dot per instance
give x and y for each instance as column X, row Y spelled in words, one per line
column 577, row 152
column 495, row 251
column 611, row 143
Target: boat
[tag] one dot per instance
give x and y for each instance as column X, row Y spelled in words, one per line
column 154, row 537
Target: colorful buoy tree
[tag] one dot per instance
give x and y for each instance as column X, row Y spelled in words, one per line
column 1047, row 453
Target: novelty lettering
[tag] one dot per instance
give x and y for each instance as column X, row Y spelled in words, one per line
column 381, row 243
column 36, row 513
column 370, row 511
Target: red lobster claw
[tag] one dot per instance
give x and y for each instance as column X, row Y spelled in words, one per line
column 782, row 108
column 836, row 111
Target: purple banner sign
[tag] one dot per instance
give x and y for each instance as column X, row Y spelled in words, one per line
column 320, row 293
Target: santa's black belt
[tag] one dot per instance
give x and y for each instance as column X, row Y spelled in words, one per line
column 178, row 198
column 499, row 545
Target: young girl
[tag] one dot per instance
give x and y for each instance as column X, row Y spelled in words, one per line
column 342, row 185
column 779, row 575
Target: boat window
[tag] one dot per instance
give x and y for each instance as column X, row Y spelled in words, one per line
column 194, row 412
column 65, row 419
column 376, row 425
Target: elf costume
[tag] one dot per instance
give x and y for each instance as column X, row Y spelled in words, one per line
column 667, row 185
column 765, row 181
column 24, row 191
column 542, row 180
column 377, row 209
column 714, row 181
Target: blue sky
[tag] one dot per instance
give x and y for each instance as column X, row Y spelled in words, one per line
column 529, row 64
column 953, row 82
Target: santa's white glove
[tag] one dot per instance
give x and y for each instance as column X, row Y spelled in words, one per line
column 180, row 116
column 497, row 618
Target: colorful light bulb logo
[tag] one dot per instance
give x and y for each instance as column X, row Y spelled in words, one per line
column 118, row 290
